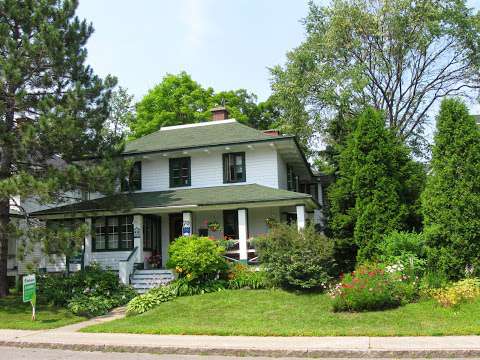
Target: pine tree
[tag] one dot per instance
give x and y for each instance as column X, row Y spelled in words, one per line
column 52, row 106
column 377, row 188
column 451, row 200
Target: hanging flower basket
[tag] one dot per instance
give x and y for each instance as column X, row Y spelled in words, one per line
column 213, row 226
column 270, row 221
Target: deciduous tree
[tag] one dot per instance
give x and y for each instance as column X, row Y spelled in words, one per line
column 399, row 56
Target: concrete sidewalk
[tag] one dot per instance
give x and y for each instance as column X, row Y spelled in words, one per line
column 385, row 347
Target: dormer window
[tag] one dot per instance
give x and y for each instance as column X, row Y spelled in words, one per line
column 133, row 181
column 180, row 172
column 234, row 167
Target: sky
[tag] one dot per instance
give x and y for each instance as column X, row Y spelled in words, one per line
column 224, row 44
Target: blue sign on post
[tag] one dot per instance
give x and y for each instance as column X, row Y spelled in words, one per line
column 186, row 228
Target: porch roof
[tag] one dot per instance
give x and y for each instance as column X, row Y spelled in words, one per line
column 184, row 198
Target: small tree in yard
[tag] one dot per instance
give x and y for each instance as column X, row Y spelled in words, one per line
column 451, row 201
column 52, row 112
column 378, row 186
column 301, row 260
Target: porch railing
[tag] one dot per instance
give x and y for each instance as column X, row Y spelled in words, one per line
column 126, row 267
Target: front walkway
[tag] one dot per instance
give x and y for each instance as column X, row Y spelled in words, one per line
column 115, row 314
column 354, row 347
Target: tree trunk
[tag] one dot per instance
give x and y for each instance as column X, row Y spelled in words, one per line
column 6, row 159
column 4, row 221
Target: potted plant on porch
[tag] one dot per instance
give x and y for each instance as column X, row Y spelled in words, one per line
column 153, row 261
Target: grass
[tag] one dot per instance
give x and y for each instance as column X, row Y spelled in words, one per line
column 14, row 314
column 279, row 313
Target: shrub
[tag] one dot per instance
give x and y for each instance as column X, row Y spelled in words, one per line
column 293, row 259
column 405, row 248
column 242, row 276
column 457, row 293
column 373, row 287
column 85, row 292
column 151, row 299
column 451, row 200
column 89, row 306
column 197, row 259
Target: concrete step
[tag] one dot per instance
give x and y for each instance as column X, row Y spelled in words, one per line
column 154, row 272
column 159, row 277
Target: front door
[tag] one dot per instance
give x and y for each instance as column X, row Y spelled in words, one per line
column 176, row 224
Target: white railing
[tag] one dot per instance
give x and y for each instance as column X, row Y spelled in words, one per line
column 126, row 267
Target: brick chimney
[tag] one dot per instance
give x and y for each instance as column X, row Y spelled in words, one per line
column 272, row 132
column 219, row 113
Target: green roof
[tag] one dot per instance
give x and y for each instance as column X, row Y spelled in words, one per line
column 207, row 134
column 218, row 195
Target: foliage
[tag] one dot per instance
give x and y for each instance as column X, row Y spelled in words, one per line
column 373, row 287
column 432, row 279
column 245, row 277
column 398, row 56
column 458, row 293
column 178, row 99
column 89, row 306
column 197, row 259
column 377, row 188
column 53, row 111
column 451, row 200
column 121, row 112
column 90, row 292
column 295, row 259
column 151, row 299
column 184, row 287
column 405, row 248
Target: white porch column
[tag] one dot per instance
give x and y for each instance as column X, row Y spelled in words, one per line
column 301, row 217
column 242, row 234
column 87, row 250
column 138, row 237
column 187, row 223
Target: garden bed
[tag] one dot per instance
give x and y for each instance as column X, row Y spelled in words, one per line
column 14, row 314
column 280, row 313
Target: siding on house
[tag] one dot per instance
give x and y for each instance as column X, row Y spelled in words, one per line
column 207, row 169
column 282, row 173
column 109, row 259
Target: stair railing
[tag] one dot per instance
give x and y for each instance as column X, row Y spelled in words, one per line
column 126, row 267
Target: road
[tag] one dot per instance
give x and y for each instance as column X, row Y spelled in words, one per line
column 11, row 353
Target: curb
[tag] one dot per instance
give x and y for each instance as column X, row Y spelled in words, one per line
column 369, row 353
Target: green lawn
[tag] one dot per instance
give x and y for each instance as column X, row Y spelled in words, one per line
column 279, row 313
column 14, row 314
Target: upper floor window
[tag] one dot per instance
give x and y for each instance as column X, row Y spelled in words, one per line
column 292, row 180
column 180, row 172
column 133, row 181
column 234, row 167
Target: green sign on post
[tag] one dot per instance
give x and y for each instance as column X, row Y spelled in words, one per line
column 30, row 291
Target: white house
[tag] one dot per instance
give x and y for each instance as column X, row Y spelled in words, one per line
column 187, row 179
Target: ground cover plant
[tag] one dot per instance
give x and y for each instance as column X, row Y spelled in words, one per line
column 282, row 313
column 15, row 314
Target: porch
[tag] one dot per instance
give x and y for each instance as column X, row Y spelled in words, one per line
column 126, row 237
